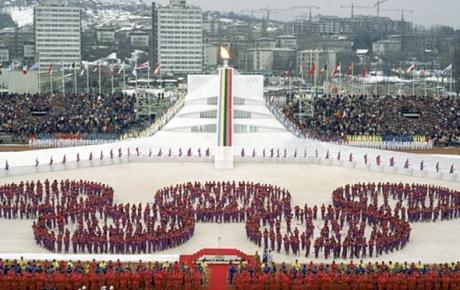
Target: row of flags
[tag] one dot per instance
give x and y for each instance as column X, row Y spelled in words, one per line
column 364, row 71
column 62, row 68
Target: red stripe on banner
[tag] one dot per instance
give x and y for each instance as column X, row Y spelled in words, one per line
column 230, row 107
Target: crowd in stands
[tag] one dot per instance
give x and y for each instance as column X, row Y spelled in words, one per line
column 397, row 118
column 96, row 275
column 364, row 220
column 29, row 115
column 262, row 275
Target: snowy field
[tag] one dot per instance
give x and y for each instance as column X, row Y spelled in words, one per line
column 308, row 183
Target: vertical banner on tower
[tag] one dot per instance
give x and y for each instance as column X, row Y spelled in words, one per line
column 225, row 109
column 224, row 148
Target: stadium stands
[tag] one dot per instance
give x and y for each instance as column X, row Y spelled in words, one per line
column 389, row 118
column 41, row 116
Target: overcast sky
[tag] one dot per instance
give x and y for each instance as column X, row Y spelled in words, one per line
column 426, row 12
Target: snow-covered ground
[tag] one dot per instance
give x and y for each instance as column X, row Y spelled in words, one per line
column 308, row 183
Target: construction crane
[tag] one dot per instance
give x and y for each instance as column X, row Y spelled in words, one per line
column 353, row 7
column 263, row 10
column 399, row 10
column 309, row 8
column 377, row 4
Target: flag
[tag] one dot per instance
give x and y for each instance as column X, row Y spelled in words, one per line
column 143, row 66
column 97, row 68
column 34, row 67
column 25, row 70
column 85, row 68
column 122, row 67
column 336, row 70
column 452, row 169
column 112, row 70
column 311, row 70
column 350, row 69
column 323, row 70
column 447, row 69
column 135, row 70
column 50, row 69
column 62, row 68
column 411, row 68
column 73, row 66
column 364, row 71
column 156, row 71
column 11, row 67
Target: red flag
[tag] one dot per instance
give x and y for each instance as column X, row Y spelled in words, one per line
column 411, row 68
column 350, row 69
column 311, row 70
column 364, row 71
column 337, row 70
column 156, row 71
column 50, row 69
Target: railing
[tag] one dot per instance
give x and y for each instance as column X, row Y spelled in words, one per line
column 160, row 123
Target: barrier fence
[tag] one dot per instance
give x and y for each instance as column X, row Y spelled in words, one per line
column 407, row 166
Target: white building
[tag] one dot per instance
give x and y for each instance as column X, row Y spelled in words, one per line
column 57, row 34
column 386, row 46
column 287, row 41
column 210, row 56
column 321, row 59
column 4, row 55
column 177, row 37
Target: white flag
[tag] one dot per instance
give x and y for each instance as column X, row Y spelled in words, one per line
column 122, row 68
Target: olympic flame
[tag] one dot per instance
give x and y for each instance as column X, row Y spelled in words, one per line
column 224, row 54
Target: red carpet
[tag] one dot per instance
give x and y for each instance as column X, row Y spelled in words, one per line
column 218, row 277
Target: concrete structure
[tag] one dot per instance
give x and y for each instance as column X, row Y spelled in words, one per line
column 336, row 43
column 139, row 39
column 287, row 41
column 265, row 42
column 177, row 37
column 321, row 58
column 4, row 54
column 105, row 35
column 257, row 59
column 15, row 40
column 266, row 60
column 387, row 46
column 210, row 56
column 57, row 35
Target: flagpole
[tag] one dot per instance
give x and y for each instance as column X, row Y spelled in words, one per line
column 14, row 78
column 39, row 70
column 315, row 71
column 340, row 78
column 112, row 79
column 148, row 74
column 75, row 78
column 87, row 78
column 63, row 81
column 100, row 88
column 388, row 83
column 353, row 78
column 124, row 77
column 424, row 79
column 51, row 80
